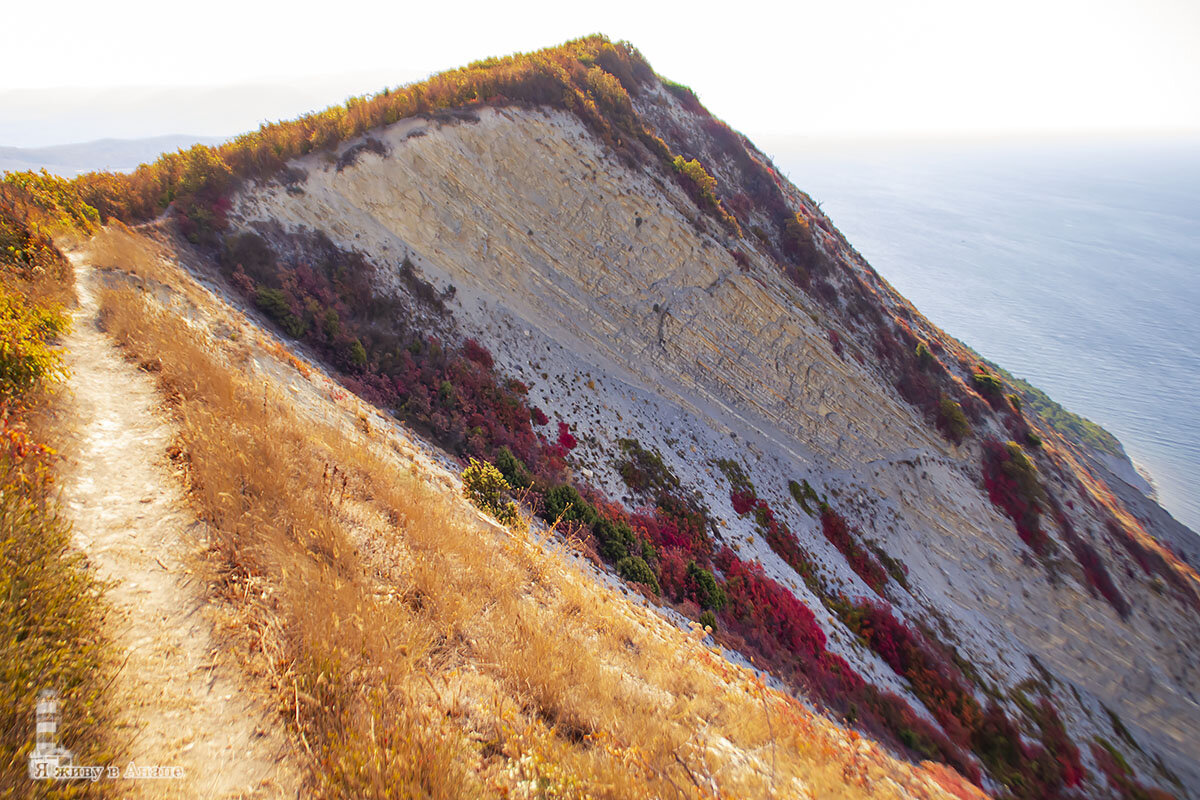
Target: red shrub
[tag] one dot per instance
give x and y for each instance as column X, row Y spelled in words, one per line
column 779, row 538
column 840, row 535
column 1153, row 562
column 672, row 572
column 742, row 502
column 929, row 670
column 663, row 531
column 476, row 352
column 1059, row 745
column 1120, row 779
column 1012, row 486
column 759, row 605
column 565, row 440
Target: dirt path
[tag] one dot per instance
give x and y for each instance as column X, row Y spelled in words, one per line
column 181, row 706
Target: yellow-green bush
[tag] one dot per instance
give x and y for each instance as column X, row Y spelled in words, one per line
column 487, row 490
column 26, row 357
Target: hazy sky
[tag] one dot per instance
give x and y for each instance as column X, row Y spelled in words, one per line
column 874, row 67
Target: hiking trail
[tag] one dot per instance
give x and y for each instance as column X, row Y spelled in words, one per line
column 179, row 704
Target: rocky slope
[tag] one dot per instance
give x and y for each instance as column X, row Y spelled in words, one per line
column 627, row 311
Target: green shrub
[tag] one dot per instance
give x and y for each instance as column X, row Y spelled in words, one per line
column 709, row 620
column 615, row 539
column 1021, row 469
column 953, row 420
column 708, row 593
column 513, row 469
column 357, row 354
column 331, row 324
column 1070, row 425
column 565, row 502
column 487, row 490
column 988, row 385
column 644, row 470
column 803, row 494
column 634, row 569
column 739, row 481
column 274, row 304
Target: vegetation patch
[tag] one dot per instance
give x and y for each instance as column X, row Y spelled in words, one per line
column 487, row 490
column 841, row 535
column 1069, row 424
column 1011, row 479
column 805, row 496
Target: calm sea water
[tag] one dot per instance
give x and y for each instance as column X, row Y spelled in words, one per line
column 1073, row 264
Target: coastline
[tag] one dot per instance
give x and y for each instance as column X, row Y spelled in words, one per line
column 1144, row 473
column 1128, row 471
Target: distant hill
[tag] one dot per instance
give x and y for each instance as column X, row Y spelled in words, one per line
column 112, row 155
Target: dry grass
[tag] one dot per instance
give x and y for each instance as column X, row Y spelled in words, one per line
column 116, row 247
column 416, row 650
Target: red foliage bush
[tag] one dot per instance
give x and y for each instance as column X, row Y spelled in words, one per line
column 663, row 531
column 778, row 536
column 758, row 605
column 931, row 673
column 565, row 440
column 838, row 532
column 1120, row 779
column 1153, row 562
column 325, row 296
column 1059, row 745
column 476, row 352
column 1012, row 486
column 742, row 502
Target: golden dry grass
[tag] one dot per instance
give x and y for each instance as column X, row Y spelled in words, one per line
column 416, row 650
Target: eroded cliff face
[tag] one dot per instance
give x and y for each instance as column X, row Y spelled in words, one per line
column 601, row 286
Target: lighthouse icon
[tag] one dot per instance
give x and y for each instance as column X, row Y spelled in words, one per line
column 47, row 756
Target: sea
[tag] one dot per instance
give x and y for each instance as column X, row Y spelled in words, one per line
column 1073, row 262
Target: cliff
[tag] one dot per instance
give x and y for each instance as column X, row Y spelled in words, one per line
column 627, row 312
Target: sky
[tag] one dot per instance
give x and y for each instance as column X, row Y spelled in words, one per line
column 874, row 68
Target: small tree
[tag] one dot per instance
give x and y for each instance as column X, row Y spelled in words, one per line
column 487, row 490
column 513, row 469
column 636, row 570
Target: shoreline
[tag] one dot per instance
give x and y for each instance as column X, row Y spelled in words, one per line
column 1144, row 473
